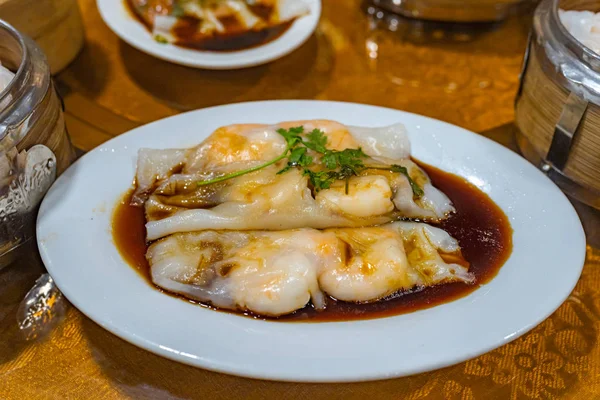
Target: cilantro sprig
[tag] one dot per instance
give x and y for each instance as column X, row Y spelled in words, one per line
column 335, row 165
column 417, row 191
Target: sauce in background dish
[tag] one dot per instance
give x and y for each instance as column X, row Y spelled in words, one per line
column 237, row 37
column 233, row 41
column 480, row 226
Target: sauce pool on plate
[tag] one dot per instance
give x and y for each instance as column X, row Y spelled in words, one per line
column 481, row 228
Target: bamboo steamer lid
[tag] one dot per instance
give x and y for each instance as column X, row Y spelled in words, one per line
column 55, row 25
column 557, row 109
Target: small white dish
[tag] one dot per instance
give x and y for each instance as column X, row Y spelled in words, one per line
column 121, row 21
column 74, row 238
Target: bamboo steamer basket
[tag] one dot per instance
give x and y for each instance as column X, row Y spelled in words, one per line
column 557, row 109
column 34, row 143
column 451, row 10
column 55, row 25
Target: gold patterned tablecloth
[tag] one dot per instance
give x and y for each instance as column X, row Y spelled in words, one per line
column 464, row 76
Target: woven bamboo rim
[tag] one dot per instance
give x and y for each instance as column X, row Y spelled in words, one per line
column 539, row 107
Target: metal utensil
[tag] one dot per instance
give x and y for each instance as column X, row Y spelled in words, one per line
column 42, row 309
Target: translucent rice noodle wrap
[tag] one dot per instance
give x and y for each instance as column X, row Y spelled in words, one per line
column 167, row 183
column 276, row 273
column 210, row 15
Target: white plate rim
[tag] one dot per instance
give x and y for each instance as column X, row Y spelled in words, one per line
column 130, row 30
column 389, row 371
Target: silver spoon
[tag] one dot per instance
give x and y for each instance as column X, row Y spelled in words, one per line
column 42, row 308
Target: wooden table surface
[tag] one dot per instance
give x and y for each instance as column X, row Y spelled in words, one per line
column 468, row 77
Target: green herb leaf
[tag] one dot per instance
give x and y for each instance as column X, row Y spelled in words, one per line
column 161, row 39
column 349, row 158
column 292, row 135
column 320, row 179
column 340, row 165
column 296, row 155
column 305, row 161
column 316, row 140
column 297, row 158
column 330, row 160
column 286, row 169
column 417, row 191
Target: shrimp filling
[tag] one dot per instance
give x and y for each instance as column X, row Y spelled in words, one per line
column 277, row 273
column 269, row 199
column 270, row 218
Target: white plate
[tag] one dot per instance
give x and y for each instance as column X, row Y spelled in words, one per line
column 128, row 28
column 74, row 238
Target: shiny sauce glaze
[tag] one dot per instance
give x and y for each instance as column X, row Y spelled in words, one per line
column 236, row 36
column 481, row 228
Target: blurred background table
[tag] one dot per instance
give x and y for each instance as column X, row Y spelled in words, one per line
column 468, row 77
